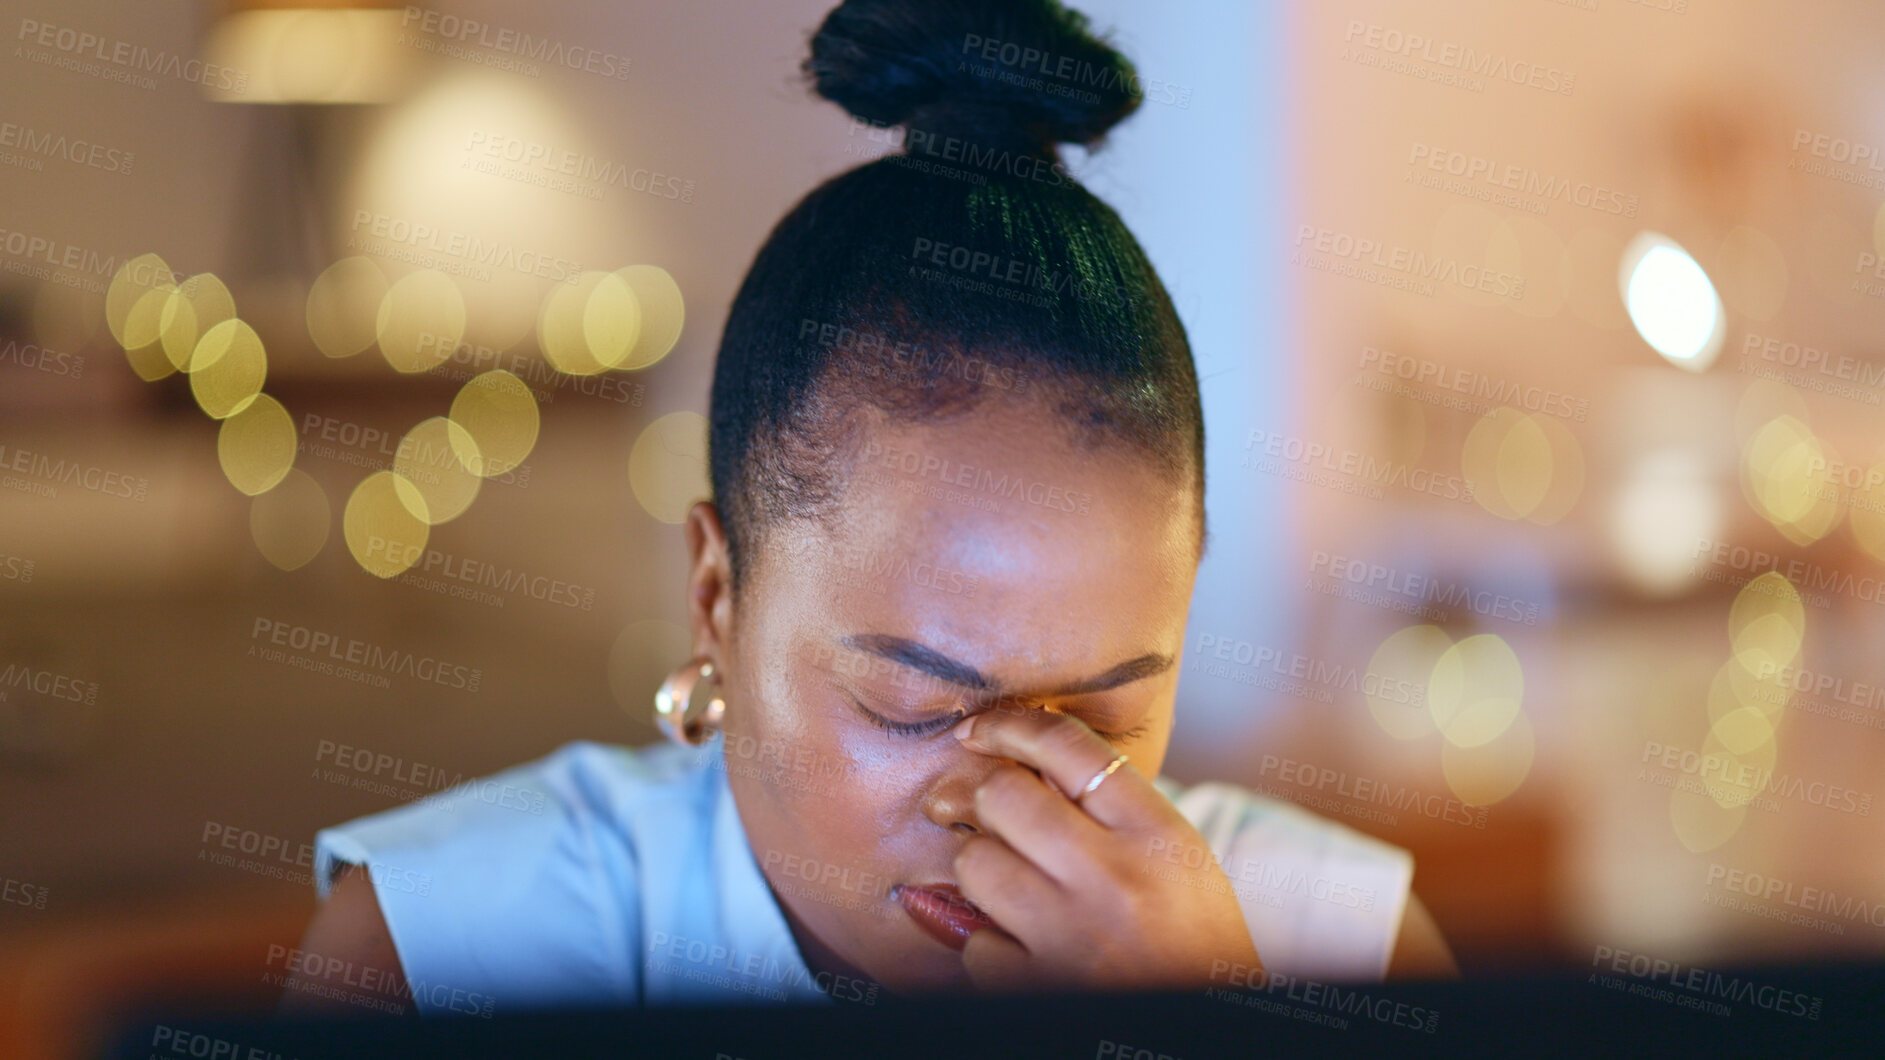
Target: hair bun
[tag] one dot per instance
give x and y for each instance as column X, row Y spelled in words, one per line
column 1027, row 73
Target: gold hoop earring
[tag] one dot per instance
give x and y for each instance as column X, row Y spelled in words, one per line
column 672, row 700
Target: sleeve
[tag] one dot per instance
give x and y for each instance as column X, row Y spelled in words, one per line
column 502, row 892
column 1322, row 900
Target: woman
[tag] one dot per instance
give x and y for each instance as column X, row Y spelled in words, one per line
column 937, row 606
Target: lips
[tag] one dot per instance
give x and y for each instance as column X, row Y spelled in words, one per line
column 940, row 910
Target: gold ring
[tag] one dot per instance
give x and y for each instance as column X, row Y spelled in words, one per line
column 1100, row 777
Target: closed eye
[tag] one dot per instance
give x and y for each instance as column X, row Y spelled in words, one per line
column 1125, row 737
column 910, row 728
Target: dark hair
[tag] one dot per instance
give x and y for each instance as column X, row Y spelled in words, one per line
column 969, row 266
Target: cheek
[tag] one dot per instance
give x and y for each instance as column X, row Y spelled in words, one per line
column 816, row 769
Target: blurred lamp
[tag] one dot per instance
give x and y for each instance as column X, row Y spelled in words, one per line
column 1671, row 301
column 306, row 51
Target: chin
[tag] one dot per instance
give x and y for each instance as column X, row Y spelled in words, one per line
column 910, row 963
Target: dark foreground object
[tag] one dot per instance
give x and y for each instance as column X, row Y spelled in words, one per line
column 1766, row 1012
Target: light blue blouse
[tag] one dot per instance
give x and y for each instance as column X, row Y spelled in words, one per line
column 605, row 875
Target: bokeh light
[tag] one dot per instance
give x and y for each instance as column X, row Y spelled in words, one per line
column 428, row 457
column 382, row 533
column 1489, row 772
column 227, row 368
column 1671, row 302
column 290, row 523
column 344, row 306
column 663, row 314
column 562, row 324
column 1405, row 661
column 256, row 446
column 1476, row 690
column 1766, row 624
column 668, row 466
column 498, row 423
column 421, row 320
column 1786, row 475
column 195, row 306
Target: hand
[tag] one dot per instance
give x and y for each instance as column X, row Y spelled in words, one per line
column 1078, row 896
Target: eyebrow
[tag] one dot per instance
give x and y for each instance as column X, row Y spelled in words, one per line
column 934, row 663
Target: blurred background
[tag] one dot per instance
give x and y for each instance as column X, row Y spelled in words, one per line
column 1542, row 347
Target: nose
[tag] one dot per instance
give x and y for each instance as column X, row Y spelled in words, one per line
column 951, row 799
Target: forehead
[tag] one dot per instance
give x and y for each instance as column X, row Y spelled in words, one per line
column 994, row 539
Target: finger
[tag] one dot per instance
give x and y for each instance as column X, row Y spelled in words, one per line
column 997, row 963
column 1070, row 756
column 1014, row 892
column 1055, row 836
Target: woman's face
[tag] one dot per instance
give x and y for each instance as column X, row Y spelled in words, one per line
column 977, row 564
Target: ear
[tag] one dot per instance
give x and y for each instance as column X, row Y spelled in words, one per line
column 709, row 583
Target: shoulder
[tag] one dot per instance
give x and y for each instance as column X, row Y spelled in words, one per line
column 1322, row 899
column 519, row 887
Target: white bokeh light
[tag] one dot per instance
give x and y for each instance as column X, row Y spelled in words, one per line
column 1671, row 301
